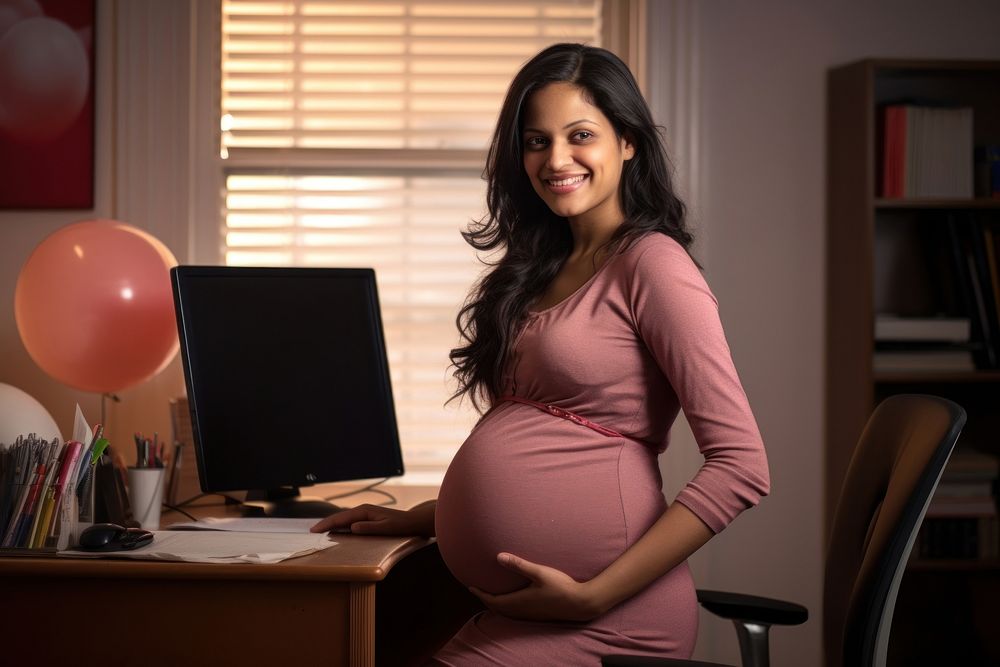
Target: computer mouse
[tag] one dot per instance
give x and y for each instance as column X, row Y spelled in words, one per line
column 112, row 537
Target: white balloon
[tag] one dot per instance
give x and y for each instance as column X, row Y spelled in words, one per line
column 44, row 76
column 12, row 11
column 20, row 414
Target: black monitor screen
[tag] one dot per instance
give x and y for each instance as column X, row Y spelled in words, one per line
column 287, row 376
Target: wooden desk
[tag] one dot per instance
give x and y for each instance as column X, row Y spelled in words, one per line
column 320, row 609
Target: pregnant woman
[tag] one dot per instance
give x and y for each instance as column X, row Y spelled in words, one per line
column 583, row 343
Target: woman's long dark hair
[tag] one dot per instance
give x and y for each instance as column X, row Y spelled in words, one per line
column 536, row 241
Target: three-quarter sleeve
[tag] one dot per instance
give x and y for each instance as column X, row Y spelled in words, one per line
column 677, row 317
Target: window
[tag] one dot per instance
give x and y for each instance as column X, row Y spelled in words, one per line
column 354, row 134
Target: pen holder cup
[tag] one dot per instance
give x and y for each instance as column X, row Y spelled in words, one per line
column 145, row 490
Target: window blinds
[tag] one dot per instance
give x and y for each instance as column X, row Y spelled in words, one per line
column 354, row 134
column 381, row 74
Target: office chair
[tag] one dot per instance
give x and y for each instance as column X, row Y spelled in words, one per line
column 891, row 478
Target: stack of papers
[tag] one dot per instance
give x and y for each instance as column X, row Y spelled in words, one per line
column 226, row 541
column 252, row 525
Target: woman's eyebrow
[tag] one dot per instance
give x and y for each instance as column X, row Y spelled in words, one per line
column 566, row 126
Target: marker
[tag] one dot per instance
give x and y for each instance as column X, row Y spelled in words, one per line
column 99, row 448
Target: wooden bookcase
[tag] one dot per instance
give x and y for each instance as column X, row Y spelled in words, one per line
column 861, row 231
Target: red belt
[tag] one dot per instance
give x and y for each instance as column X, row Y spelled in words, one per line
column 564, row 414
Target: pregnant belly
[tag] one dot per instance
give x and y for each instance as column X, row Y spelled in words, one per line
column 544, row 489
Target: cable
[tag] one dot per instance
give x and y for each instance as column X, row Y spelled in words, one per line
column 230, row 500
column 371, row 488
column 176, row 508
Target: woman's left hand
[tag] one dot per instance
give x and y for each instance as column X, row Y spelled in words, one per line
column 552, row 595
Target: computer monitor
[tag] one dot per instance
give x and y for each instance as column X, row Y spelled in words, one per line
column 287, row 381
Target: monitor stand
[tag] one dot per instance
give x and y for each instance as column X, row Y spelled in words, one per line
column 286, row 502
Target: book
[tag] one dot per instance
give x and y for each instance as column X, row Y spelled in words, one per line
column 976, row 240
column 964, row 488
column 895, row 328
column 923, row 360
column 988, row 161
column 971, row 506
column 990, row 241
column 961, row 537
column 893, row 137
column 926, row 151
column 971, row 295
column 971, row 464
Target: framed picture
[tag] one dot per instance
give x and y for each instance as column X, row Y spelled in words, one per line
column 47, row 104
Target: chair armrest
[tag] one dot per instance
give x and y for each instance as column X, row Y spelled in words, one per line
column 753, row 608
column 752, row 615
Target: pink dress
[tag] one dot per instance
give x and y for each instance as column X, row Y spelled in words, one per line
column 638, row 342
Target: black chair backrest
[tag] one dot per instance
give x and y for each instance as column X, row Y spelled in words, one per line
column 891, row 478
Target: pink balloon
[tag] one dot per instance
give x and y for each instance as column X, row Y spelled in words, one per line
column 44, row 75
column 94, row 305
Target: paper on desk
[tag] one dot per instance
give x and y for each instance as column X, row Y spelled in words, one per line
column 81, row 429
column 220, row 547
column 252, row 525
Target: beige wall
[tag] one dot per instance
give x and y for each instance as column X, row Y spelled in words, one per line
column 762, row 68
column 123, row 169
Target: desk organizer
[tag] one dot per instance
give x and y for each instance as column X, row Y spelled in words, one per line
column 46, row 492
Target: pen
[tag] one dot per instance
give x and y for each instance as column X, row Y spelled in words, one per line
column 67, row 474
column 45, row 519
column 87, row 451
column 23, row 532
column 9, row 539
column 45, row 496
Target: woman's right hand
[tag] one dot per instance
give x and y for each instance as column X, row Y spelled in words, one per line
column 378, row 520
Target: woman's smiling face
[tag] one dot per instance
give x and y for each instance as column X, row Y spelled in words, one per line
column 573, row 156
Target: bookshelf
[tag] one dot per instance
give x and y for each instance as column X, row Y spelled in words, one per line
column 898, row 255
